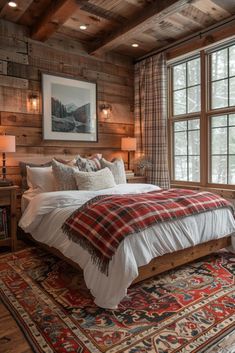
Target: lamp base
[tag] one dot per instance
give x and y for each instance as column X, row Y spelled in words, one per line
column 6, row 182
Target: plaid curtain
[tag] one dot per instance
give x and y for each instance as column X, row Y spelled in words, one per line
column 151, row 117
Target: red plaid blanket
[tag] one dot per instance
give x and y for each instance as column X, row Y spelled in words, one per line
column 103, row 222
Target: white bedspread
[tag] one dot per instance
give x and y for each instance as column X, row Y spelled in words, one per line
column 46, row 213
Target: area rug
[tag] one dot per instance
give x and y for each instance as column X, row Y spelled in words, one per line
column 191, row 309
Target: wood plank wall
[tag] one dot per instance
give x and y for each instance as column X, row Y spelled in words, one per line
column 21, row 63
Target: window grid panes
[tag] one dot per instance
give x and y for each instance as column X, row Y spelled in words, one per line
column 216, row 115
column 223, row 78
column 186, row 87
column 187, row 150
column 223, row 149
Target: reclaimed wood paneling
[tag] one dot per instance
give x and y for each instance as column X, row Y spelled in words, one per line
column 22, row 61
column 3, row 67
column 13, row 45
column 13, row 56
column 18, row 119
column 14, row 82
column 45, row 53
column 13, row 30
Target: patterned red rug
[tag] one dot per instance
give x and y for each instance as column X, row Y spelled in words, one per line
column 186, row 310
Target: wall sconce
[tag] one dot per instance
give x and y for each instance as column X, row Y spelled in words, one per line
column 33, row 102
column 106, row 110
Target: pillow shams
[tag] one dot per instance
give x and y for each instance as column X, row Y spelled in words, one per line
column 102, row 179
column 90, row 164
column 117, row 168
column 64, row 176
column 23, row 171
column 40, row 179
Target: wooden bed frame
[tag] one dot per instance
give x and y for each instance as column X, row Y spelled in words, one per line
column 161, row 263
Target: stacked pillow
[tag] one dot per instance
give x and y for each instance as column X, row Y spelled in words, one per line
column 102, row 179
column 93, row 173
column 63, row 174
column 91, row 164
column 40, row 179
column 117, row 168
column 23, row 171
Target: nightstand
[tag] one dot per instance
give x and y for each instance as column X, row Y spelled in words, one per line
column 8, row 198
column 137, row 179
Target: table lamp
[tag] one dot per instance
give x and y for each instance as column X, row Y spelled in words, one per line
column 128, row 144
column 7, row 144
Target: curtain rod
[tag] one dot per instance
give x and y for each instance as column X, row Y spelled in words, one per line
column 186, row 39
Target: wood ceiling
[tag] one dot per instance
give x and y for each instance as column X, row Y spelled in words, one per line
column 113, row 25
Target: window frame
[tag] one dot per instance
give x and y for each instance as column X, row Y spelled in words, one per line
column 187, row 132
column 181, row 117
column 205, row 117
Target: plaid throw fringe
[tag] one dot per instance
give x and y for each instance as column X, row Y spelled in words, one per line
column 103, row 222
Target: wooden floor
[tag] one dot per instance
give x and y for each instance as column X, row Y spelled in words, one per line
column 12, row 339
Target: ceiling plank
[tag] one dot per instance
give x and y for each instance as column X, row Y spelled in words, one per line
column 152, row 14
column 13, row 14
column 55, row 16
column 100, row 12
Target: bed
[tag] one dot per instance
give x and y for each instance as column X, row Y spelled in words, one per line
column 151, row 251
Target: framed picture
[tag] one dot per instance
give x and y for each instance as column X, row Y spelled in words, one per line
column 69, row 109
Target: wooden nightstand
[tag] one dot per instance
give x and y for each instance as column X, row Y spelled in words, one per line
column 137, row 179
column 8, row 198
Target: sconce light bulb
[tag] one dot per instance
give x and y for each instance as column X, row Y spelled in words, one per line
column 33, row 100
column 34, row 103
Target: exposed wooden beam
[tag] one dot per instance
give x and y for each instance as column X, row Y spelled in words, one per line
column 55, row 16
column 150, row 15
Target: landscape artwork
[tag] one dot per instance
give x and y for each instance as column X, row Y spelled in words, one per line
column 69, row 109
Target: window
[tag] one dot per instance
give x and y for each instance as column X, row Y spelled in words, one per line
column 223, row 78
column 187, row 150
column 186, row 87
column 186, row 95
column 203, row 119
column 223, row 149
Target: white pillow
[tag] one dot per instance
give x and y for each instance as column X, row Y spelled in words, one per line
column 117, row 168
column 40, row 179
column 102, row 179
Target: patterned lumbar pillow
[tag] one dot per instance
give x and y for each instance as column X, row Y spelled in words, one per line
column 102, row 179
column 64, row 175
column 90, row 164
column 117, row 168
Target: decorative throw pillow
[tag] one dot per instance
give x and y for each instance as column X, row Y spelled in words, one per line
column 102, row 179
column 40, row 179
column 23, row 171
column 64, row 176
column 90, row 164
column 117, row 168
column 70, row 162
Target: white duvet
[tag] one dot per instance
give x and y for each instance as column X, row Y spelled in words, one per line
column 46, row 212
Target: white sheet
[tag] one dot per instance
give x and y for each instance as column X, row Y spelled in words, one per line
column 46, row 213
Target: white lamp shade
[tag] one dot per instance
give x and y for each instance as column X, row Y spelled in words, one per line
column 7, row 143
column 128, row 144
